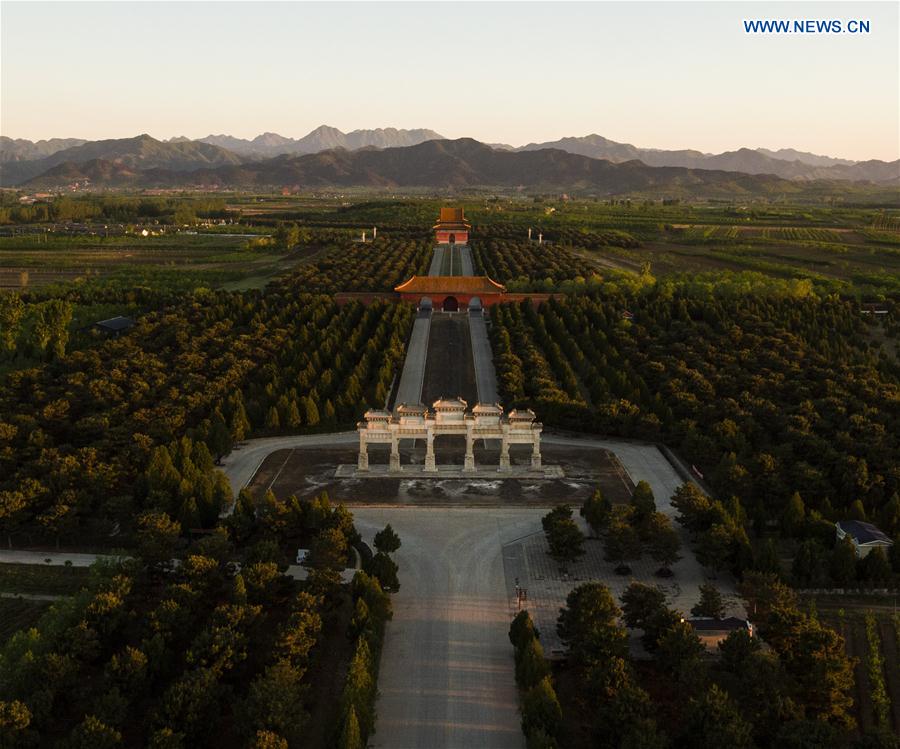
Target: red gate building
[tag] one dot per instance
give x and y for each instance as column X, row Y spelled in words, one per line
column 452, row 293
column 452, row 227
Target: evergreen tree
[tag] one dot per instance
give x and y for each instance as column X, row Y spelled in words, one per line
column 711, row 602
column 843, row 562
column 531, row 666
column 794, row 515
column 714, row 721
column 596, row 511
column 387, row 540
column 875, row 567
column 351, row 737
column 643, row 502
column 312, row 412
column 240, row 424
column 541, row 710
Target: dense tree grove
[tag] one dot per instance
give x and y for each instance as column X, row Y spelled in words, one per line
column 527, row 266
column 205, row 653
column 355, row 266
column 138, row 422
column 769, row 396
column 118, row 208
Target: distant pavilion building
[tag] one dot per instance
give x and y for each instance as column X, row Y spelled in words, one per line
column 452, row 227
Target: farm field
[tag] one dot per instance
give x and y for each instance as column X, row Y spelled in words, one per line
column 19, row 613
column 35, row 261
column 29, row 578
column 849, row 618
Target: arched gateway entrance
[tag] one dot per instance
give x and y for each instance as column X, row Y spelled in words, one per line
column 451, row 304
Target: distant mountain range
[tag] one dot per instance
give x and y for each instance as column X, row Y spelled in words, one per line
column 391, row 157
column 786, row 163
column 142, row 152
column 19, row 149
column 437, row 163
column 323, row 138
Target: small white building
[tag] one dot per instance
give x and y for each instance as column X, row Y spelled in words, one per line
column 864, row 536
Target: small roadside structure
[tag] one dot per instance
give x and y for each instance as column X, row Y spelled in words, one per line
column 114, row 325
column 864, row 536
column 712, row 631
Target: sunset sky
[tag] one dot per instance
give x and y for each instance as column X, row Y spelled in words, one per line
column 663, row 75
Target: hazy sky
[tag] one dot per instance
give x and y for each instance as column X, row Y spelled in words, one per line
column 663, row 75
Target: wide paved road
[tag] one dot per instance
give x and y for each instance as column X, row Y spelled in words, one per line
column 447, row 674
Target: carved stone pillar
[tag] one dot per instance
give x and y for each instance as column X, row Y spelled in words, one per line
column 395, row 454
column 536, row 450
column 430, row 464
column 363, row 464
column 469, row 463
column 504, row 449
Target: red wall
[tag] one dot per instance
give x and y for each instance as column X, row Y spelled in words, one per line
column 442, row 237
column 437, row 300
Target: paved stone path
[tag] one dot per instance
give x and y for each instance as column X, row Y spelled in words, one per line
column 485, row 376
column 446, row 678
column 437, row 260
column 465, row 257
column 413, row 376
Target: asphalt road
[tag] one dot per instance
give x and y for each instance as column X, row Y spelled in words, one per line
column 447, row 673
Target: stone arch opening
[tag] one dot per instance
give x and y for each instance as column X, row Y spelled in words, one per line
column 475, row 304
column 452, row 239
column 451, row 304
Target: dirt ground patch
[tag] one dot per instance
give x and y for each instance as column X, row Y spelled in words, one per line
column 309, row 471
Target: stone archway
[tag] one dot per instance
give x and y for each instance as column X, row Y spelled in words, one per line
column 451, row 304
column 452, row 239
column 475, row 304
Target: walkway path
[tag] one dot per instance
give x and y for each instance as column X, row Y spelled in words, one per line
column 465, row 256
column 57, row 558
column 437, row 260
column 447, row 674
column 485, row 376
column 413, row 376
